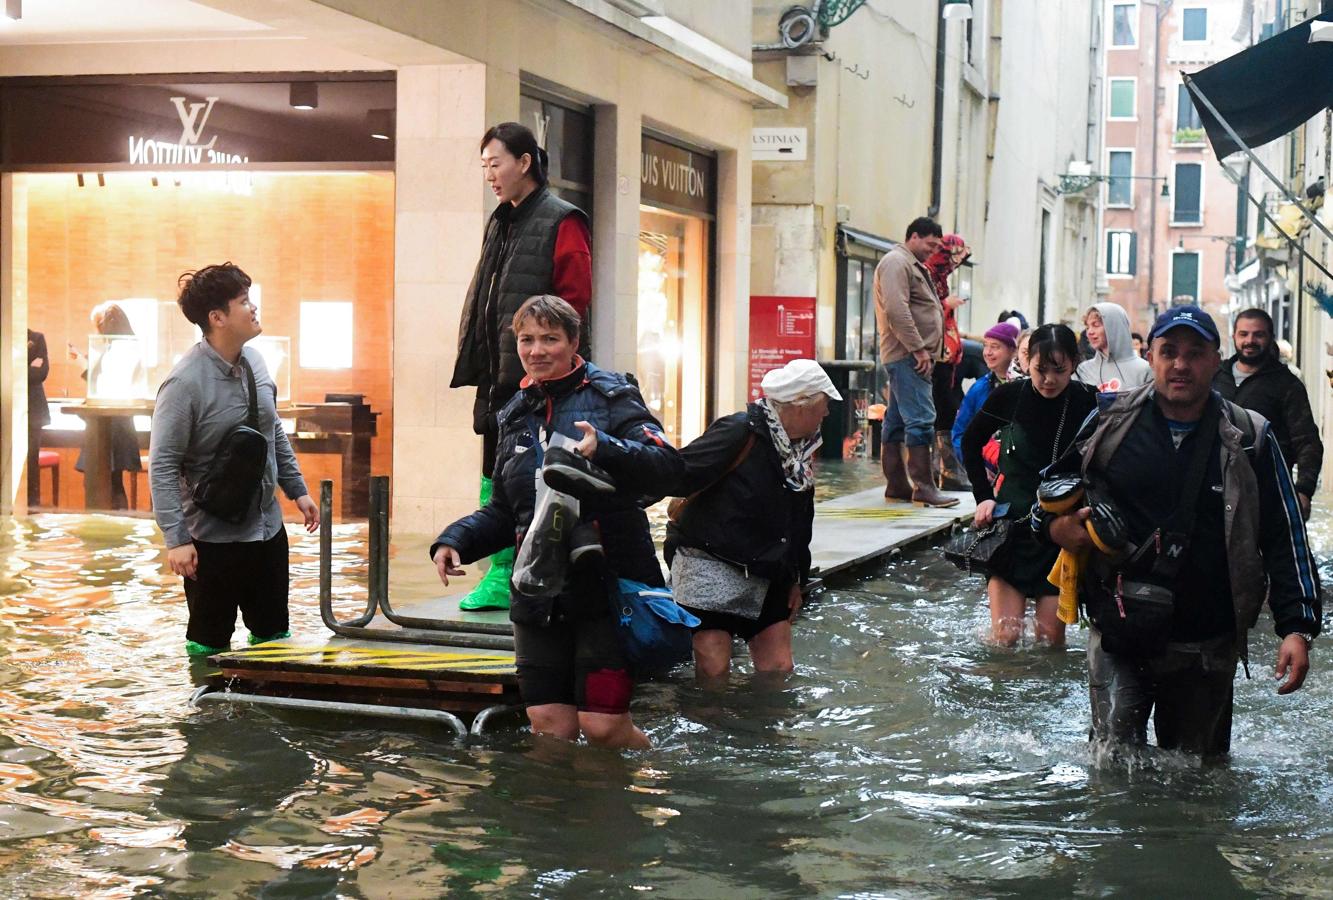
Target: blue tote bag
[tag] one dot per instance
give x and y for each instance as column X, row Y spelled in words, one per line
column 654, row 630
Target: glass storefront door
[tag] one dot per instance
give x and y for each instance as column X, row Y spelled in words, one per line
column 673, row 313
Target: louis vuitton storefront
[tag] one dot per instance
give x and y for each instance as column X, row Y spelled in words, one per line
column 113, row 187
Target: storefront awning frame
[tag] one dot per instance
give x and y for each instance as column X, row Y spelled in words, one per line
column 1259, row 205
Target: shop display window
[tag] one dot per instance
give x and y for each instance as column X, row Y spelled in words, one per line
column 117, row 369
column 326, row 335
column 277, row 353
column 672, row 332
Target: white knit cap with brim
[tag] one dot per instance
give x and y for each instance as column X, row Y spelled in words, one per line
column 798, row 378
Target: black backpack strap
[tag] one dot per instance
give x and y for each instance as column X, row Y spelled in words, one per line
column 252, row 415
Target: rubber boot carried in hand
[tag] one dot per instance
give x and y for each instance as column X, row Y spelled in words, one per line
column 952, row 476
column 924, row 492
column 492, row 592
column 896, row 485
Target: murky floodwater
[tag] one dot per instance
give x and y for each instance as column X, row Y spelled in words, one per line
column 904, row 759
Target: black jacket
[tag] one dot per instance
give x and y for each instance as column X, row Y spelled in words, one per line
column 630, row 447
column 1279, row 396
column 38, row 414
column 517, row 262
column 748, row 516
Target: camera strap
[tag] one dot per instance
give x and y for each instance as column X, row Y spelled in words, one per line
column 1172, row 539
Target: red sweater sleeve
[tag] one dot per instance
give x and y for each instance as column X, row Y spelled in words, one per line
column 571, row 278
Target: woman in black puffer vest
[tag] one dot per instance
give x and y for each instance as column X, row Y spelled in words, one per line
column 572, row 672
column 740, row 550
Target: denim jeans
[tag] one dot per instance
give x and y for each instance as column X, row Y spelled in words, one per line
column 910, row 418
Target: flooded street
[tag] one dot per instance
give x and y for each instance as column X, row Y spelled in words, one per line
column 904, row 759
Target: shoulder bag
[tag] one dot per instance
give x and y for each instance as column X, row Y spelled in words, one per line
column 230, row 488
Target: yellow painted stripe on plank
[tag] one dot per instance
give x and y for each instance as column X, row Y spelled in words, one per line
column 867, row 513
column 358, row 657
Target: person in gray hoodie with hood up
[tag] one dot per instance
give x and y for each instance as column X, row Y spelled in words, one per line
column 1115, row 367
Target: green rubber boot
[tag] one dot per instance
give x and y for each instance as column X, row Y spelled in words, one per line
column 256, row 639
column 194, row 649
column 492, row 592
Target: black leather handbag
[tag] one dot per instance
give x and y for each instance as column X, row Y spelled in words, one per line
column 979, row 549
column 230, row 488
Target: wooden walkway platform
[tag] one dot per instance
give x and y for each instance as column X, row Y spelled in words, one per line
column 849, row 531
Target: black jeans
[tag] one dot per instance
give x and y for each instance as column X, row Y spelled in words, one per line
column 1187, row 690
column 248, row 575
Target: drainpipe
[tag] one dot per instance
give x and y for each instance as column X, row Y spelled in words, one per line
column 937, row 129
column 1158, row 14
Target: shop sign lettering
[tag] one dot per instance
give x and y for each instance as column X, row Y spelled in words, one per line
column 188, row 150
column 676, row 177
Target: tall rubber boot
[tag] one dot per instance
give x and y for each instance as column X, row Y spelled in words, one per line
column 492, row 592
column 896, row 485
column 953, row 477
column 924, row 492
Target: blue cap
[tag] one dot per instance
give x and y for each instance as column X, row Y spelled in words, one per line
column 1189, row 316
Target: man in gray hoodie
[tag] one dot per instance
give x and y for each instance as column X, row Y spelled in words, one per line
column 1115, row 367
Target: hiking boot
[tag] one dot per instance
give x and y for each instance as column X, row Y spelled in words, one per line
column 896, row 485
column 492, row 592
column 952, row 475
column 924, row 492
column 571, row 473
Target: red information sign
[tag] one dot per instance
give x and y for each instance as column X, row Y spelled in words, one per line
column 781, row 329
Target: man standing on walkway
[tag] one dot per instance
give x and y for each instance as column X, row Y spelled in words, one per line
column 226, row 564
column 1213, row 527
column 911, row 336
column 1256, row 379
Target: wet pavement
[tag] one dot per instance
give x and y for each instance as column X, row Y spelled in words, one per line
column 905, row 758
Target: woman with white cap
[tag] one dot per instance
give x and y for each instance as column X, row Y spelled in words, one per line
column 739, row 548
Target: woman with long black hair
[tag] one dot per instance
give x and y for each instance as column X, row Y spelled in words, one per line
column 1037, row 419
column 535, row 244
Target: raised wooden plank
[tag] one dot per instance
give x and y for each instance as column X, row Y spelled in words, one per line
column 361, row 681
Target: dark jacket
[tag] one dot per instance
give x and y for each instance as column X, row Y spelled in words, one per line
column 38, row 412
column 630, row 447
column 1263, row 542
column 517, row 262
column 748, row 516
column 1275, row 393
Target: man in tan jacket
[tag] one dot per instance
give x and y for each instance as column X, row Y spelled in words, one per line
column 911, row 332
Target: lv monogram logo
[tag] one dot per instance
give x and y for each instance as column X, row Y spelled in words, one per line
column 193, row 119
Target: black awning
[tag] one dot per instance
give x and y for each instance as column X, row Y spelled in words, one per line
column 1268, row 90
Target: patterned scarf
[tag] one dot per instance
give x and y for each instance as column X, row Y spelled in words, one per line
column 798, row 465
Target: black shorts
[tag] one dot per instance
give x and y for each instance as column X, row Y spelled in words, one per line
column 774, row 610
column 248, row 575
column 577, row 663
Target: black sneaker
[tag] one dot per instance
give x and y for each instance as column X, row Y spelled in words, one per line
column 585, row 546
column 570, row 473
column 542, row 573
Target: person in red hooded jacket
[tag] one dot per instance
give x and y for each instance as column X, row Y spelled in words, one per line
column 947, row 391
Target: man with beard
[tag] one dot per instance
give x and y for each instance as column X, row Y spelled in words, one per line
column 1256, row 379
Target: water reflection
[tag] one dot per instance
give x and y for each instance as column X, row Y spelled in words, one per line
column 904, row 758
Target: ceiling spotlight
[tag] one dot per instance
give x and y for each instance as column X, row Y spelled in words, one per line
column 957, row 9
column 380, row 123
column 304, row 95
column 14, row 9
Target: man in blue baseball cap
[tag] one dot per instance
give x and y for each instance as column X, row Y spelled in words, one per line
column 1214, row 528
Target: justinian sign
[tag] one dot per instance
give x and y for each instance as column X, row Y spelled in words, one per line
column 190, row 121
column 677, row 178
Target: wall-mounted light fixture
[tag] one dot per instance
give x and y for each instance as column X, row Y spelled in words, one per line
column 380, row 123
column 14, row 9
column 304, row 95
column 957, row 9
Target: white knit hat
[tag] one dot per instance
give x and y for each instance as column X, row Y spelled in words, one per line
column 798, row 378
